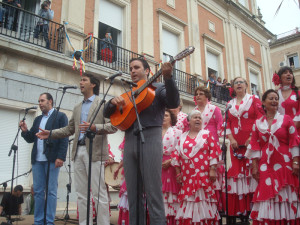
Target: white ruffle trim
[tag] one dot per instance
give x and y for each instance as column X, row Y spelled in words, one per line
column 123, row 204
column 241, row 186
column 252, row 154
column 170, row 197
column 273, row 209
column 171, row 209
column 198, row 211
column 200, row 194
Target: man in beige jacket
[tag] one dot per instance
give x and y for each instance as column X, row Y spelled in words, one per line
column 82, row 114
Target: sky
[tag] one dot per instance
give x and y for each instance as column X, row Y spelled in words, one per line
column 287, row 19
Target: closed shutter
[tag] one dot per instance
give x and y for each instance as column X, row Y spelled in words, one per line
column 9, row 120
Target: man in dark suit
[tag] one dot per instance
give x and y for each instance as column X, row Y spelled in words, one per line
column 39, row 159
column 148, row 175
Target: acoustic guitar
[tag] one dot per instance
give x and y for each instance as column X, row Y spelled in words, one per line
column 124, row 117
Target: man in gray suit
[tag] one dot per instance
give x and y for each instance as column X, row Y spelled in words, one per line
column 148, row 176
column 82, row 114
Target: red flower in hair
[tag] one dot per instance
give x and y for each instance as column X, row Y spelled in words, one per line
column 276, row 79
column 195, row 100
column 231, row 92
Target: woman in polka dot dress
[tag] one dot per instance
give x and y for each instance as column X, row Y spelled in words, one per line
column 195, row 160
column 241, row 117
column 212, row 121
column 289, row 96
column 274, row 150
column 170, row 187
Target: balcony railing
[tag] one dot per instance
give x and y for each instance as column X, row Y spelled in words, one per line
column 23, row 25
column 108, row 55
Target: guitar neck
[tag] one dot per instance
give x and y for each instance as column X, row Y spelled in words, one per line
column 150, row 80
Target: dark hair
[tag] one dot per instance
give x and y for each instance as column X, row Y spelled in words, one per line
column 18, row 188
column 48, row 96
column 173, row 117
column 281, row 71
column 93, row 80
column 143, row 61
column 232, row 84
column 265, row 95
column 205, row 90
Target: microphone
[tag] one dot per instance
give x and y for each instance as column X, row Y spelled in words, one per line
column 113, row 76
column 228, row 107
column 68, row 87
column 129, row 82
column 33, row 107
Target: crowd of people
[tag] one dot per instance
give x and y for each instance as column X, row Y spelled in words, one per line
column 263, row 182
column 181, row 169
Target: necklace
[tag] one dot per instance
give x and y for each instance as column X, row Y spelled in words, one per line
column 285, row 88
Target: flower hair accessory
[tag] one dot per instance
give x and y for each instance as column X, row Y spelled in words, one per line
column 195, row 100
column 276, row 79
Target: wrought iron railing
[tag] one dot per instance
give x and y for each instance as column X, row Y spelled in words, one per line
column 219, row 93
column 26, row 26
column 108, row 55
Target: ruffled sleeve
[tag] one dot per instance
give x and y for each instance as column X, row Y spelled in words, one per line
column 293, row 138
column 214, row 150
column 254, row 148
column 175, row 156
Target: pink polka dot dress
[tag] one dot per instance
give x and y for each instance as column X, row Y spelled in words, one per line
column 170, row 187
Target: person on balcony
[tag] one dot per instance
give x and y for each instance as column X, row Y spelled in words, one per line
column 106, row 47
column 10, row 14
column 42, row 26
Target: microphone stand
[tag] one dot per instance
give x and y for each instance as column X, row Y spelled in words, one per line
column 67, row 216
column 140, row 142
column 49, row 145
column 9, row 220
column 224, row 157
column 14, row 148
column 91, row 135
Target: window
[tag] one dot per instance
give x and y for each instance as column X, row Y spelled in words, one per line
column 27, row 21
column 293, row 61
column 254, row 83
column 169, row 45
column 212, row 63
column 110, row 21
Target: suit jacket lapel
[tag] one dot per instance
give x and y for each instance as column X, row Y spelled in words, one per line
column 50, row 121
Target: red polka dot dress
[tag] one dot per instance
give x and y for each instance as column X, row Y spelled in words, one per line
column 290, row 106
column 170, row 187
column 275, row 199
column 198, row 203
column 241, row 185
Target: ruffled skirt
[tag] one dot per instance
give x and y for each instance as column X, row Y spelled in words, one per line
column 198, row 209
column 240, row 194
column 281, row 210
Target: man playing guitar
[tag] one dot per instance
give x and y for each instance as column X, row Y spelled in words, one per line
column 148, row 176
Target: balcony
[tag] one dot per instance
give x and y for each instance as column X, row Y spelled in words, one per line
column 108, row 55
column 22, row 25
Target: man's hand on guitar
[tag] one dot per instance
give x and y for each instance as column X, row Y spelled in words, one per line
column 167, row 69
column 118, row 101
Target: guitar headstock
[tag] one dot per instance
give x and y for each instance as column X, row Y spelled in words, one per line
column 189, row 50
